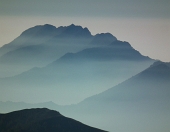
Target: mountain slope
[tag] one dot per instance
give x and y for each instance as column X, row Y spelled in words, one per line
column 116, row 50
column 40, row 45
column 92, row 70
column 43, row 120
column 157, row 76
column 140, row 103
column 103, row 39
column 31, row 36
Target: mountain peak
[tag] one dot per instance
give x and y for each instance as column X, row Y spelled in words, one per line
column 103, row 39
column 160, row 62
column 39, row 30
column 159, row 67
column 48, row 25
column 39, row 113
column 76, row 31
column 157, row 70
column 72, row 25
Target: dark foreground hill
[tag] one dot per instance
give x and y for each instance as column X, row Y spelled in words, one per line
column 41, row 120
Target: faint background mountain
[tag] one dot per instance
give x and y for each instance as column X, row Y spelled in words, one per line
column 141, row 103
column 137, row 104
column 91, row 70
column 44, row 120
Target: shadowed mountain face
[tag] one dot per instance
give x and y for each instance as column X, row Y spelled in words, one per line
column 41, row 120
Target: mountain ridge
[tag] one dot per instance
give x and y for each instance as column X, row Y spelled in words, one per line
column 160, row 72
column 102, row 64
column 43, row 120
column 134, row 103
column 137, row 101
column 46, row 43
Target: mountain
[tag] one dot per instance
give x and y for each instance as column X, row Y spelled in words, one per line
column 103, row 39
column 31, row 36
column 92, row 70
column 76, row 31
column 44, row 120
column 43, row 33
column 9, row 106
column 151, row 84
column 40, row 45
column 115, row 51
column 141, row 103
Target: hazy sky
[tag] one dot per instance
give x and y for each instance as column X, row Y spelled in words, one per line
column 143, row 23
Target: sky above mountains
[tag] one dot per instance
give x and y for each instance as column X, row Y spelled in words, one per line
column 145, row 24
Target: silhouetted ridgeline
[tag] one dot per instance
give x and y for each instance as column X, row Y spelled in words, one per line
column 41, row 120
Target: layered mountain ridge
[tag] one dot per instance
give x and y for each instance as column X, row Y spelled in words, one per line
column 116, row 50
column 137, row 104
column 62, row 61
column 41, row 45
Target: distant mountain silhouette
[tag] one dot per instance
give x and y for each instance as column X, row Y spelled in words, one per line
column 116, row 50
column 76, row 31
column 150, row 83
column 40, row 45
column 102, row 67
column 42, row 34
column 64, row 59
column 41, row 120
column 103, row 39
column 32, row 36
